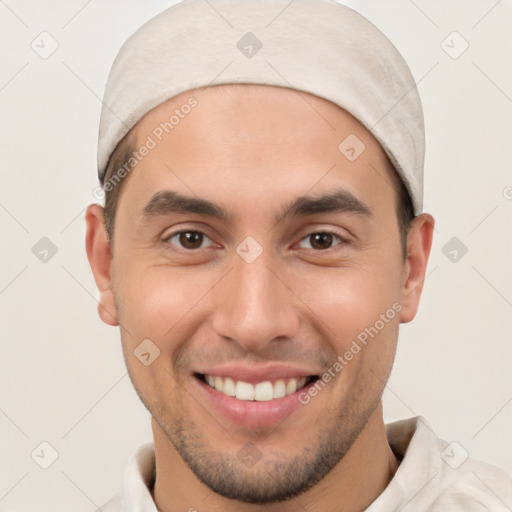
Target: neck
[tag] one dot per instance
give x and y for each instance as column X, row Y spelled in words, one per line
column 351, row 486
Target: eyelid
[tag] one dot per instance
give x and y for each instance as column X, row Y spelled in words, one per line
column 198, row 227
column 168, row 235
column 343, row 239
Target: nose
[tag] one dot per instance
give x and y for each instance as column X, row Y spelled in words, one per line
column 255, row 305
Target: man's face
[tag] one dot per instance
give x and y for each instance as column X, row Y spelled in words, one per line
column 197, row 286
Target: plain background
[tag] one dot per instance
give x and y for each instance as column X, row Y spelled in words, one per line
column 62, row 375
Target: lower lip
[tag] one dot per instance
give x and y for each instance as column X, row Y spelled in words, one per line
column 251, row 413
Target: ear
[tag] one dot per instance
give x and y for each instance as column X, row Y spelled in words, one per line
column 100, row 260
column 419, row 243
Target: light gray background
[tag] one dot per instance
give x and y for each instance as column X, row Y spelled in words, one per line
column 62, row 375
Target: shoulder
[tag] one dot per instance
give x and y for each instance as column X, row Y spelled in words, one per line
column 435, row 475
column 471, row 485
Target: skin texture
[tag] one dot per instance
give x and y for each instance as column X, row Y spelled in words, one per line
column 252, row 150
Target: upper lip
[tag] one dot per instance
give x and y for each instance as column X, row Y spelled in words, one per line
column 257, row 372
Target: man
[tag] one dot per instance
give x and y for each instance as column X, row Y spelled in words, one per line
column 261, row 241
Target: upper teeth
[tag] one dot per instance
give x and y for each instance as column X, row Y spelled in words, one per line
column 262, row 391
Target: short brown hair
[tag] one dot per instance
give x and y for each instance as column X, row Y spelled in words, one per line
column 118, row 159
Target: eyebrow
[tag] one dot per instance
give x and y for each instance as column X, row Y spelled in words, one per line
column 337, row 201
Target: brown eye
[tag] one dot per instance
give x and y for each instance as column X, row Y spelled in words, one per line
column 321, row 240
column 189, row 240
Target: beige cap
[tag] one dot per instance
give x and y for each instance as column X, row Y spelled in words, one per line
column 316, row 46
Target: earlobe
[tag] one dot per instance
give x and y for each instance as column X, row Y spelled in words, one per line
column 419, row 243
column 100, row 259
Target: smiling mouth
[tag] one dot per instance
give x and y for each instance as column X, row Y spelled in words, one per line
column 261, row 391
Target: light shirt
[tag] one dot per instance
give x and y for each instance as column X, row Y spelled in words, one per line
column 433, row 476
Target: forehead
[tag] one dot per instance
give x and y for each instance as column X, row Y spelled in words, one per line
column 252, row 141
column 252, row 114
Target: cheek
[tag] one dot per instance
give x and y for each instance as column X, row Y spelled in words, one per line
column 359, row 310
column 154, row 307
column 349, row 300
column 362, row 316
column 157, row 301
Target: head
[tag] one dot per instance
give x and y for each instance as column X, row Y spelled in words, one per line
column 246, row 239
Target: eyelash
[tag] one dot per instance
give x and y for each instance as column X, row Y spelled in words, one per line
column 342, row 240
